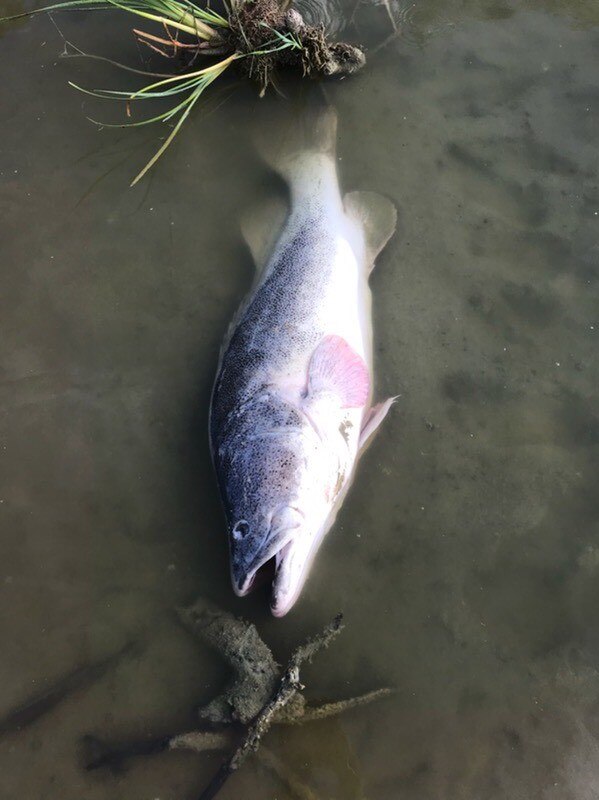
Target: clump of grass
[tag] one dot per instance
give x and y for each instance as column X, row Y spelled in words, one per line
column 258, row 36
column 190, row 84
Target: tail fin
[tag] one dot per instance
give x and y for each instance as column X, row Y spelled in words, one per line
column 293, row 133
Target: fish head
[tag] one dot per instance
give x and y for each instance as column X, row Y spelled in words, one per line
column 273, row 508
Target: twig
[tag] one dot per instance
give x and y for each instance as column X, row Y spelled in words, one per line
column 289, row 686
column 198, row 48
column 312, row 713
column 171, row 42
column 201, row 741
column 154, row 48
column 80, row 54
column 258, row 696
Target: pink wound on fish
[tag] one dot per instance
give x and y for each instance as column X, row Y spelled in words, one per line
column 336, row 367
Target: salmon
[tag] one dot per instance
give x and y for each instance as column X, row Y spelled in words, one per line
column 291, row 409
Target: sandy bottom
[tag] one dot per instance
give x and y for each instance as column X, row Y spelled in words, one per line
column 466, row 558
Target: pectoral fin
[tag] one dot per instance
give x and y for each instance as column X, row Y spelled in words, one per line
column 336, row 368
column 378, row 217
column 372, row 421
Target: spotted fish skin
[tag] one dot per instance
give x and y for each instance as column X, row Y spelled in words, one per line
column 291, row 400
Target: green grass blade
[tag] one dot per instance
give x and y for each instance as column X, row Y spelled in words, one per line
column 92, row 5
column 113, row 94
column 171, row 14
column 215, row 68
column 194, row 98
column 150, row 121
column 207, row 33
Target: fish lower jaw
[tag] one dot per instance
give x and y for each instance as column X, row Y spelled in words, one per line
column 279, row 612
column 284, row 592
column 264, row 572
column 279, row 607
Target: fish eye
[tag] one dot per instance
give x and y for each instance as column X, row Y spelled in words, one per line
column 241, row 529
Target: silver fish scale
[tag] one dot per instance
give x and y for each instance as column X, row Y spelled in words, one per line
column 260, row 442
column 273, row 329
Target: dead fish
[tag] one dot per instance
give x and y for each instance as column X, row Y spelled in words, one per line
column 291, row 408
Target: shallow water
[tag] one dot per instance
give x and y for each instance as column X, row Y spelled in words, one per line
column 466, row 558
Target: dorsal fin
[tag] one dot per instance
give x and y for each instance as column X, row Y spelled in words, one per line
column 378, row 218
column 261, row 226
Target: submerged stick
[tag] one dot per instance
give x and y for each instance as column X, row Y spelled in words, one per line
column 258, row 695
column 99, row 754
column 200, row 742
column 289, row 686
column 326, row 710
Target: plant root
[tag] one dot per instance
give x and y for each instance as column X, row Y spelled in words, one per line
column 254, row 24
column 256, row 37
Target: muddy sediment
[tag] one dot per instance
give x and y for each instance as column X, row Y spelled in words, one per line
column 258, row 27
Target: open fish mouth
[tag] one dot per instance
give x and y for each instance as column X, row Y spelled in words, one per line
column 287, row 581
column 264, row 574
column 275, row 559
column 283, row 570
column 266, row 566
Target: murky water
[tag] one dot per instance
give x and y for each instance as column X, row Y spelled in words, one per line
column 466, row 558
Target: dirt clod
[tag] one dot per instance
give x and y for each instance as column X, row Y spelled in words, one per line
column 257, row 27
